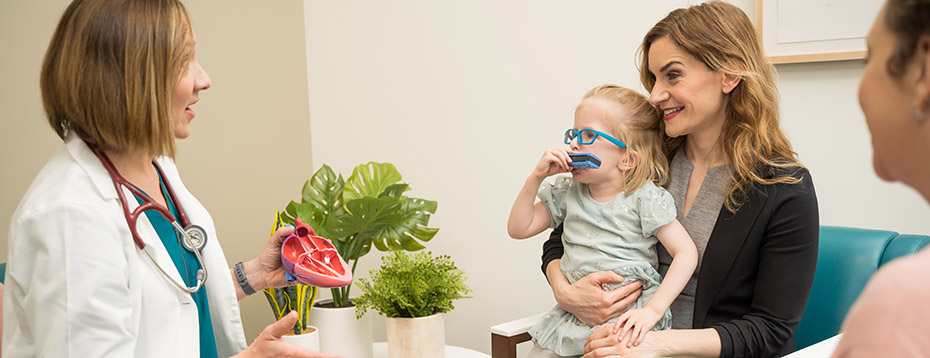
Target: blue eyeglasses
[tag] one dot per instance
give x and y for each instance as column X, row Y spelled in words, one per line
column 587, row 136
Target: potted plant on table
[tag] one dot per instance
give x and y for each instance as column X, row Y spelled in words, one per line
column 367, row 209
column 413, row 292
column 298, row 298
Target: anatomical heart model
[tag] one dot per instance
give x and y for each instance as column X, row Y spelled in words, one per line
column 313, row 260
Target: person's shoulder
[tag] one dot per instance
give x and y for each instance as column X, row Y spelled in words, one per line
column 649, row 189
column 893, row 287
column 61, row 183
column 786, row 170
column 791, row 176
column 902, row 272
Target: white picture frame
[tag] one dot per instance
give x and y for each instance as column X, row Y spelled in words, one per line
column 795, row 31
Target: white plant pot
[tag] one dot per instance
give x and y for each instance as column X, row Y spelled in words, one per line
column 422, row 337
column 341, row 333
column 310, row 340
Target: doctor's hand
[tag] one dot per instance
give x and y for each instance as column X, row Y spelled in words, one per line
column 270, row 260
column 270, row 344
column 266, row 270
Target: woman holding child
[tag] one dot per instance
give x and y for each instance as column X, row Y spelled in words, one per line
column 739, row 191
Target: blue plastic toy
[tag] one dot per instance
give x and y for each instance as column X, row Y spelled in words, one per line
column 584, row 161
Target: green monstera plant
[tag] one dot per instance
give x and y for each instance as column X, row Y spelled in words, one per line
column 367, row 209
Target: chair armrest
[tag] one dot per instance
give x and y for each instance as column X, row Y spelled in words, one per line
column 506, row 336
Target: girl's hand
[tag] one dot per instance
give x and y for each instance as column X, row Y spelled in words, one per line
column 638, row 322
column 553, row 161
column 270, row 344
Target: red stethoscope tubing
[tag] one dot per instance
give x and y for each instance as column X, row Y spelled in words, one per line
column 148, row 204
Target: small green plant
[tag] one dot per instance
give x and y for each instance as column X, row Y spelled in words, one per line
column 368, row 209
column 298, row 298
column 412, row 286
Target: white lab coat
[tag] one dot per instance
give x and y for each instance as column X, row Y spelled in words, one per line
column 77, row 285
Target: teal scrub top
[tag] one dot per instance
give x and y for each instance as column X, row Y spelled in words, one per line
column 187, row 265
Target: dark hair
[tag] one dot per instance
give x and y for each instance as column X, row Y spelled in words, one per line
column 110, row 71
column 908, row 20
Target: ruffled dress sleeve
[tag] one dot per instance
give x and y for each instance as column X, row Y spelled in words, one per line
column 552, row 195
column 656, row 208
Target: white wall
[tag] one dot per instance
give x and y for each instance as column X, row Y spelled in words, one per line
column 464, row 96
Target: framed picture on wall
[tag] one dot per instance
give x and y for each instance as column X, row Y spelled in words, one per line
column 795, row 31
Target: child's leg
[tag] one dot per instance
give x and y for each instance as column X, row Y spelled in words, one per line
column 540, row 352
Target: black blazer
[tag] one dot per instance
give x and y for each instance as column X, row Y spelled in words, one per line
column 757, row 269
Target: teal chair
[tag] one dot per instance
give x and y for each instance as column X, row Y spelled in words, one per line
column 846, row 260
column 2, row 272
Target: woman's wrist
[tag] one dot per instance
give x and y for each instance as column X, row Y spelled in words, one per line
column 658, row 343
column 557, row 280
column 704, row 342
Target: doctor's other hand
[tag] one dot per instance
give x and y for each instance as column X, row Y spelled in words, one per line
column 588, row 301
column 270, row 344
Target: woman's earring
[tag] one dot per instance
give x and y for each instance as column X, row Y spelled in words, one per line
column 919, row 110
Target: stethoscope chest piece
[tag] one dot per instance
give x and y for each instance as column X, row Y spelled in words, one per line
column 196, row 238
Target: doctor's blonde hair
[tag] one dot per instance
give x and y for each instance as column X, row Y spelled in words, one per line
column 635, row 122
column 110, row 72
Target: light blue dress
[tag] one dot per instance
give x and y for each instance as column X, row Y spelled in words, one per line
column 618, row 235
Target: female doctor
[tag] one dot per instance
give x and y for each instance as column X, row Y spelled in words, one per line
column 89, row 275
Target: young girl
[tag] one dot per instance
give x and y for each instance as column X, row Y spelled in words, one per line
column 612, row 215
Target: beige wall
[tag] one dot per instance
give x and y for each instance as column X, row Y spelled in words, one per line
column 249, row 149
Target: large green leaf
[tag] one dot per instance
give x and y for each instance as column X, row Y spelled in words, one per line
column 324, row 192
column 363, row 217
column 405, row 233
column 395, row 190
column 370, row 179
column 309, row 214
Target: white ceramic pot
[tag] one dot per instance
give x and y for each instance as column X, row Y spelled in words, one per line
column 341, row 333
column 309, row 340
column 421, row 337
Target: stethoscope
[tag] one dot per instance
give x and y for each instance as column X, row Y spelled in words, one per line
column 194, row 238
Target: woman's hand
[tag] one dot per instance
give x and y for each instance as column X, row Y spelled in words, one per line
column 270, row 344
column 604, row 343
column 586, row 298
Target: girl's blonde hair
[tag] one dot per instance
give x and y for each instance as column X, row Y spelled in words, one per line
column 721, row 36
column 110, row 72
column 636, row 123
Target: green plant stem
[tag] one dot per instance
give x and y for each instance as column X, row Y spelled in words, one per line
column 341, row 294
